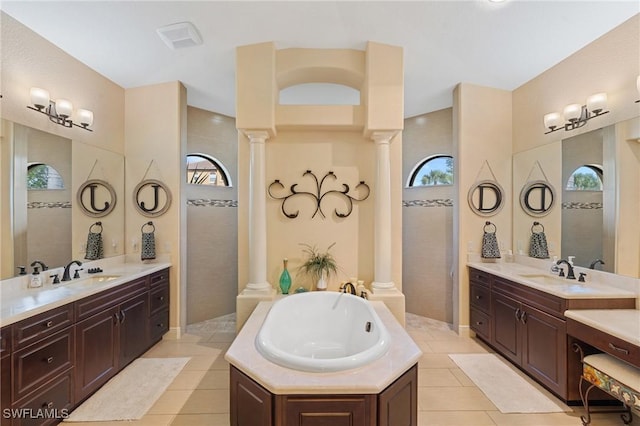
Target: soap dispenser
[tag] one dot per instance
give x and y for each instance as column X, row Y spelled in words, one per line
column 36, row 279
column 570, row 260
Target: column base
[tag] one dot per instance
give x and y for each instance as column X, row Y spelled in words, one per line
column 378, row 286
column 264, row 287
column 393, row 299
column 247, row 301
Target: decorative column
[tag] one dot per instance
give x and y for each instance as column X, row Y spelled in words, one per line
column 257, row 213
column 382, row 216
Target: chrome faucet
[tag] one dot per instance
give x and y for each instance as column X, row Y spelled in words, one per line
column 570, row 273
column 41, row 263
column 593, row 264
column 348, row 288
column 66, row 276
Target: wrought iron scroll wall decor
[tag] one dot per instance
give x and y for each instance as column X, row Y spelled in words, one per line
column 319, row 194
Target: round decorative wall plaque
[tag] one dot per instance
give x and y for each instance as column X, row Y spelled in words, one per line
column 152, row 198
column 486, row 197
column 537, row 198
column 96, row 198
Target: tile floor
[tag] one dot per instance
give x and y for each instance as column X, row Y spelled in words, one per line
column 200, row 393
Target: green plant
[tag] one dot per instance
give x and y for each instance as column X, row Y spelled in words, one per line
column 318, row 263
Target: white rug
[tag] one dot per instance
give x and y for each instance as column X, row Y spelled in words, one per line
column 130, row 393
column 509, row 392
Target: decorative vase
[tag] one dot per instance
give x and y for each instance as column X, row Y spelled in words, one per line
column 322, row 283
column 285, row 278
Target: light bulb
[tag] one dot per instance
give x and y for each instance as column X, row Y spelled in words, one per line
column 64, row 108
column 572, row 112
column 597, row 103
column 39, row 97
column 552, row 120
column 84, row 117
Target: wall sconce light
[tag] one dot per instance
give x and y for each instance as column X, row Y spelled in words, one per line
column 60, row 111
column 576, row 115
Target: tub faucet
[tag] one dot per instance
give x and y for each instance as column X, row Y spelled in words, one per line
column 595, row 262
column 66, row 276
column 570, row 274
column 348, row 288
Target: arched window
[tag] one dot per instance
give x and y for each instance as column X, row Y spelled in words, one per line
column 586, row 178
column 42, row 177
column 203, row 169
column 431, row 171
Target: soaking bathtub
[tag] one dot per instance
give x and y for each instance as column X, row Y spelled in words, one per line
column 322, row 332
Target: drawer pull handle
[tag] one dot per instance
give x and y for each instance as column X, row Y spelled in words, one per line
column 48, row 405
column 479, row 323
column 523, row 317
column 161, row 298
column 518, row 314
column 616, row 348
column 160, row 324
column 49, row 360
column 478, row 297
column 49, row 324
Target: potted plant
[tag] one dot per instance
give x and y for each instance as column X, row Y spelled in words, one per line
column 319, row 265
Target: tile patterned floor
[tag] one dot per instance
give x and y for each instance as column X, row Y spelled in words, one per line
column 199, row 396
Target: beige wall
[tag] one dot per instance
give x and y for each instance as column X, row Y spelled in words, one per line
column 482, row 133
column 427, row 217
column 155, row 134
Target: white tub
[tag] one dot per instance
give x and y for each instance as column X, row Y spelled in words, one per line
column 321, row 332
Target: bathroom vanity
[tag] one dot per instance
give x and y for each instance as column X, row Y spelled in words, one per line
column 520, row 312
column 382, row 393
column 60, row 345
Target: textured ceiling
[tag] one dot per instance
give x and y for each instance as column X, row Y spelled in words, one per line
column 501, row 45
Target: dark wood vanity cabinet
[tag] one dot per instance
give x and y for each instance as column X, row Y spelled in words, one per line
column 253, row 405
column 56, row 359
column 528, row 327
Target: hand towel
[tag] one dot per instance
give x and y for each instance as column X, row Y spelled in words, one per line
column 148, row 246
column 95, row 247
column 538, row 246
column 490, row 248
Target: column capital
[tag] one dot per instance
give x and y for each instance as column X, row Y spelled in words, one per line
column 259, row 136
column 383, row 136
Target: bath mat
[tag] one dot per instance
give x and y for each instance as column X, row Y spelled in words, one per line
column 131, row 393
column 509, row 392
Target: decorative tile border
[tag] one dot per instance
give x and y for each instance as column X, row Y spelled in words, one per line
column 581, row 206
column 201, row 202
column 49, row 205
column 441, row 202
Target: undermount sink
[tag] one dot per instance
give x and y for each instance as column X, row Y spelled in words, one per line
column 93, row 280
column 546, row 279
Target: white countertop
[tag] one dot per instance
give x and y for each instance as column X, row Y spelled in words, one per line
column 20, row 302
column 552, row 284
column 621, row 323
column 370, row 379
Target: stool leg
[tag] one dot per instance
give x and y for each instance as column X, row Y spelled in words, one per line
column 584, row 396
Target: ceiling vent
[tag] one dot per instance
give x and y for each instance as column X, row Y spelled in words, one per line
column 182, row 34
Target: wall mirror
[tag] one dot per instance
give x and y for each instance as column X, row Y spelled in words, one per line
column 40, row 216
column 595, row 176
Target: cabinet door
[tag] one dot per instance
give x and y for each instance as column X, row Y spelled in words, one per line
column 333, row 410
column 506, row 337
column 544, row 350
column 5, row 388
column 134, row 329
column 398, row 403
column 96, row 351
column 251, row 404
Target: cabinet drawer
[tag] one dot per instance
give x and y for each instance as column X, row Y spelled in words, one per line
column 158, row 299
column 53, row 400
column 480, row 323
column 605, row 342
column 159, row 325
column 109, row 298
column 37, row 364
column 39, row 326
column 479, row 276
column 480, row 297
column 160, row 277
